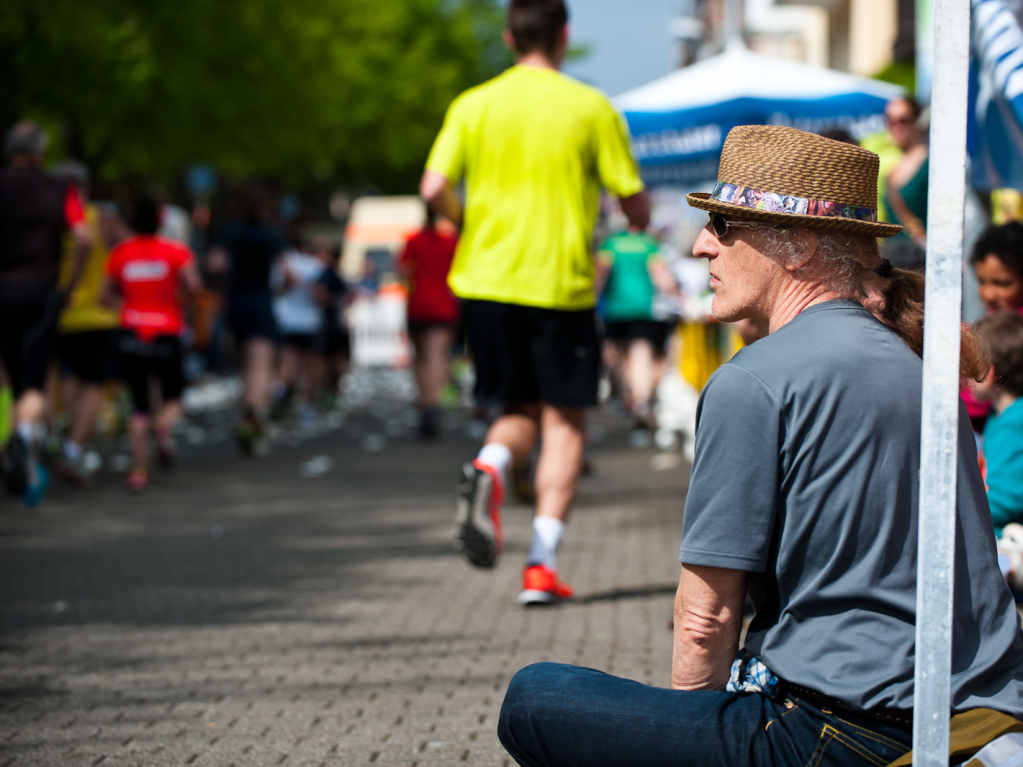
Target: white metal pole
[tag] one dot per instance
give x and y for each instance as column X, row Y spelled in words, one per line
column 939, row 432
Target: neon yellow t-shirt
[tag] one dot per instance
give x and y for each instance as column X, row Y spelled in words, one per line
column 84, row 310
column 534, row 146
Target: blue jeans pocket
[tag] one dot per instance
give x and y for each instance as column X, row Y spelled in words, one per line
column 843, row 744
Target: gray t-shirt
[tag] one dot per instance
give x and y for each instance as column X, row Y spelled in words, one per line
column 806, row 475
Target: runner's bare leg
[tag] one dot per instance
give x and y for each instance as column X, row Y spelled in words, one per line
column 517, row 430
column 557, row 472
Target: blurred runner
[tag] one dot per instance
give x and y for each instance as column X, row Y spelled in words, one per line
column 250, row 247
column 534, row 147
column 86, row 335
column 432, row 317
column 148, row 272
column 299, row 318
column 635, row 273
column 35, row 212
column 332, row 344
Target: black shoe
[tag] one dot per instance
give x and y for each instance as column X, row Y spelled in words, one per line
column 429, row 423
column 17, row 466
column 478, row 500
column 250, row 435
column 522, row 486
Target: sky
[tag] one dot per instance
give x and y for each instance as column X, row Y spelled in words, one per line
column 628, row 39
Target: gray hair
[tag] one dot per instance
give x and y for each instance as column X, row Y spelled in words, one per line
column 25, row 138
column 72, row 170
column 843, row 262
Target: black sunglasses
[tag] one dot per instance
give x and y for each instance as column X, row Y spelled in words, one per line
column 720, row 225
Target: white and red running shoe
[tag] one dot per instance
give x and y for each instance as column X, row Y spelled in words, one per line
column 541, row 586
column 478, row 500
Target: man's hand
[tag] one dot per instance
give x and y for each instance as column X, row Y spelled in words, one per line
column 637, row 209
column 438, row 194
column 708, row 620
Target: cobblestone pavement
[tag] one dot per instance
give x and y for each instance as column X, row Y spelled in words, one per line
column 240, row 614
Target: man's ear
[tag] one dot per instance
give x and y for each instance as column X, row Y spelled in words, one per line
column 509, row 41
column 808, row 246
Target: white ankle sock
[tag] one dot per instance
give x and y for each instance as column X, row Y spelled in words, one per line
column 496, row 456
column 546, row 537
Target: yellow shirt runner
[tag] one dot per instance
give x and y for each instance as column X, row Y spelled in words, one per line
column 534, row 147
column 84, row 311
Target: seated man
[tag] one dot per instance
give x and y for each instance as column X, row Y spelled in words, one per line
column 804, row 492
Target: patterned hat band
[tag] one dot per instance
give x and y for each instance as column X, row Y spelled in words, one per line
column 772, row 202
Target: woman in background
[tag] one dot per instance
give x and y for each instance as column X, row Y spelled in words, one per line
column 997, row 261
column 148, row 271
column 432, row 316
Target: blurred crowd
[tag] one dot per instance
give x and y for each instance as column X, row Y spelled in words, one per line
column 101, row 306
column 103, row 309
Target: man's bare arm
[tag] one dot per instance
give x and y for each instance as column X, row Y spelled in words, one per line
column 81, row 236
column 436, row 190
column 191, row 280
column 637, row 209
column 708, row 621
column 108, row 294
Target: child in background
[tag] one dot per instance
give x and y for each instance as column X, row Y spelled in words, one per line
column 1003, row 437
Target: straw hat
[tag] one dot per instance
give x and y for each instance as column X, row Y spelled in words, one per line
column 791, row 178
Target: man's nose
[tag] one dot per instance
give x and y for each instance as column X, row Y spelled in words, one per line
column 706, row 245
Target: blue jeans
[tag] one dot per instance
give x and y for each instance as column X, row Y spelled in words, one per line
column 563, row 715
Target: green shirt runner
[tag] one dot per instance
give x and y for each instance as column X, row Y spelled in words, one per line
column 629, row 292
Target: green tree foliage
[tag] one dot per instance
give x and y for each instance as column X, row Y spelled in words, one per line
column 287, row 89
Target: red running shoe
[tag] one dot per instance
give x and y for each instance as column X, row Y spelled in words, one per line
column 541, row 586
column 137, row 481
column 478, row 500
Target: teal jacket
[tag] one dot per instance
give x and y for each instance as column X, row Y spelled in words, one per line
column 1003, row 453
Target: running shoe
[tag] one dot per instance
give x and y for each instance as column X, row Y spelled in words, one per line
column 250, row 435
column 541, row 586
column 17, row 466
column 479, row 497
column 71, row 471
column 36, row 487
column 522, row 482
column 137, row 481
column 166, row 450
column 429, row 423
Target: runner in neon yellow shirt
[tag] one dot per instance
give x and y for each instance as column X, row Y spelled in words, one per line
column 534, row 148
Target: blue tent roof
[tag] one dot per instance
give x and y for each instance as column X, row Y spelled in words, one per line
column 995, row 127
column 679, row 122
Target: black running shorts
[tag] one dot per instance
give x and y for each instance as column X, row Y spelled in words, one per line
column 657, row 333
column 161, row 359
column 88, row 355
column 28, row 325
column 525, row 354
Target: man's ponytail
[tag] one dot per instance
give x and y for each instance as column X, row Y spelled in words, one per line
column 903, row 311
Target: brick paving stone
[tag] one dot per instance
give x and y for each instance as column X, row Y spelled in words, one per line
column 331, row 623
